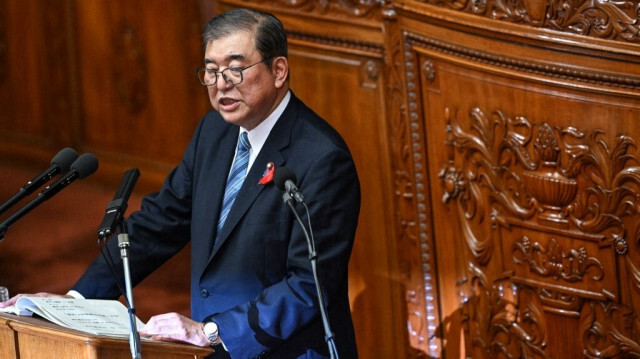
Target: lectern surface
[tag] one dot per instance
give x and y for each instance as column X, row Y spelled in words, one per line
column 26, row 338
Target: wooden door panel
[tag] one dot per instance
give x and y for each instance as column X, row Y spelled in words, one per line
column 346, row 90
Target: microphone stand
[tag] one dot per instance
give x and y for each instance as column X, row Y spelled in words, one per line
column 329, row 336
column 134, row 336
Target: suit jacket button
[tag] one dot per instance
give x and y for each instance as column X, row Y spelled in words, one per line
column 204, row 293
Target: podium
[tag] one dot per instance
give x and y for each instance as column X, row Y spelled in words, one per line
column 31, row 338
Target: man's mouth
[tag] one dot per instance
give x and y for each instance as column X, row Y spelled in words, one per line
column 227, row 103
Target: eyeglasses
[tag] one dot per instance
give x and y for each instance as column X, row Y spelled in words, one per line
column 233, row 76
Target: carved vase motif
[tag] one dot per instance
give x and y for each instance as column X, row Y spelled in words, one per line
column 566, row 203
column 552, row 189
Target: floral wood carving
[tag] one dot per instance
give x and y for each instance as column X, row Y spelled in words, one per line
column 610, row 330
column 494, row 143
column 503, row 320
column 570, row 265
column 491, row 174
column 497, row 156
column 617, row 20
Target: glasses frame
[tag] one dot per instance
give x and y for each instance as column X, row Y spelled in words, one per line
column 226, row 79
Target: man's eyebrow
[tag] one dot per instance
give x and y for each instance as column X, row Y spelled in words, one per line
column 227, row 59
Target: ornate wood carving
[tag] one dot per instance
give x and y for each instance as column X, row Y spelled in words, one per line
column 500, row 318
column 370, row 71
column 553, row 261
column 422, row 241
column 572, row 233
column 131, row 68
column 415, row 258
column 366, row 9
column 617, row 20
column 429, row 71
column 610, row 330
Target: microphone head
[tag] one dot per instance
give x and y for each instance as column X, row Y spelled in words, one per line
column 64, row 159
column 282, row 175
column 85, row 165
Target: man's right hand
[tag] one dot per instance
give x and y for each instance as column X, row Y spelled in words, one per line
column 13, row 299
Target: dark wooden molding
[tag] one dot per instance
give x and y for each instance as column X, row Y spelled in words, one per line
column 344, row 44
column 360, row 9
column 600, row 19
column 611, row 80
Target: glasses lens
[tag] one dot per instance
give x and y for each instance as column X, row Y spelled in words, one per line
column 207, row 77
column 233, row 75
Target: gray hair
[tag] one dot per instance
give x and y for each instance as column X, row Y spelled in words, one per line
column 270, row 35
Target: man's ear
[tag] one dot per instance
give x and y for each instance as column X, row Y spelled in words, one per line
column 280, row 68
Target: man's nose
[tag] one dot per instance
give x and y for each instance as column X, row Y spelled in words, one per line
column 222, row 82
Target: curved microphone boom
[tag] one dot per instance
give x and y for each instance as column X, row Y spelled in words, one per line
column 285, row 179
column 60, row 163
column 82, row 167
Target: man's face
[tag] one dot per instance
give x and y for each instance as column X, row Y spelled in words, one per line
column 250, row 102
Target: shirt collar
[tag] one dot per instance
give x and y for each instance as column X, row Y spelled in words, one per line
column 258, row 136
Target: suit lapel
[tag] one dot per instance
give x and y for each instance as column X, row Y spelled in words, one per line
column 217, row 162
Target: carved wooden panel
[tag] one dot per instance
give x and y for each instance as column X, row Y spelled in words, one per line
column 522, row 163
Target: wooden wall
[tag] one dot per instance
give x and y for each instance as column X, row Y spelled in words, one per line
column 495, row 142
column 520, row 120
column 114, row 78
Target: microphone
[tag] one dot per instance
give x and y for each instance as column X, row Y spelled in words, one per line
column 60, row 163
column 285, row 179
column 117, row 207
column 82, row 167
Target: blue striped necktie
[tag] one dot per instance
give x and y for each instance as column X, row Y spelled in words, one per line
column 236, row 178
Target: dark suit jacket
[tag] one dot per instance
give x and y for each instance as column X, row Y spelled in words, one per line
column 255, row 281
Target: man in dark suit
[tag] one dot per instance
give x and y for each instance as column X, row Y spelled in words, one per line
column 252, row 288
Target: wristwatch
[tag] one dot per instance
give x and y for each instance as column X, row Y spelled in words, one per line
column 210, row 329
